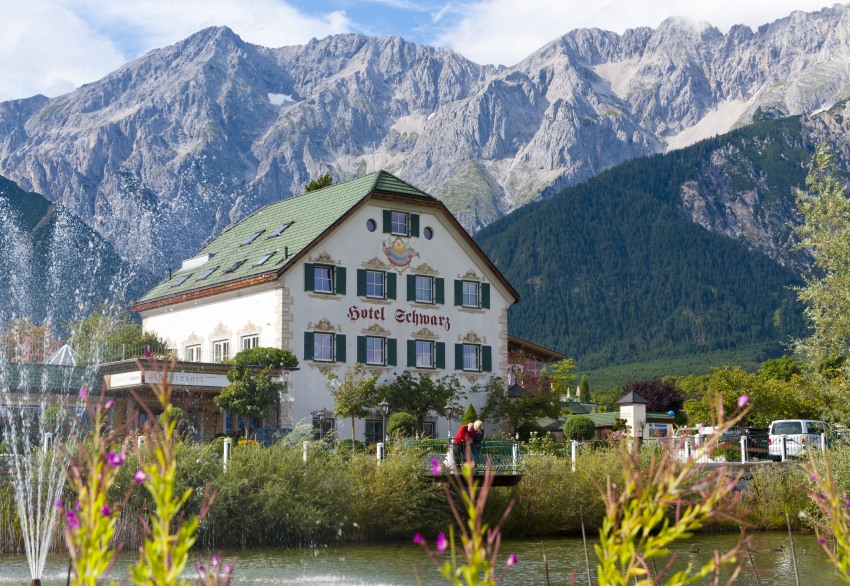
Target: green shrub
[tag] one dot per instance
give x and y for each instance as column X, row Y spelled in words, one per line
column 402, row 424
column 579, row 428
column 470, row 415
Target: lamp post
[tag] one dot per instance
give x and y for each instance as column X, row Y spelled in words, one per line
column 385, row 409
column 448, row 412
column 283, row 396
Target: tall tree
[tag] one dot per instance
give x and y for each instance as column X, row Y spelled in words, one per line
column 662, row 395
column 355, row 393
column 421, row 395
column 562, row 375
column 319, row 182
column 825, row 233
column 540, row 400
column 250, row 394
column 111, row 334
column 25, row 341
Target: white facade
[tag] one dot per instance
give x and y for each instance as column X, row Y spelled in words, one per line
column 285, row 314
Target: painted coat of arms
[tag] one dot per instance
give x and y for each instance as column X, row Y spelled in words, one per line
column 398, row 252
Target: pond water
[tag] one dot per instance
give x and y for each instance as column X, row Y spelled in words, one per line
column 393, row 564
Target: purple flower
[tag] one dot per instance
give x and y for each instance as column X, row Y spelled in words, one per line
column 512, row 560
column 106, row 511
column 442, row 542
column 215, row 560
column 83, row 392
column 71, row 518
column 418, row 539
column 743, row 400
column 148, row 352
column 78, row 506
column 140, row 477
column 115, row 459
column 108, row 404
column 200, row 567
column 814, row 478
column 435, row 466
column 228, row 569
column 847, row 503
column 57, row 503
column 821, row 496
column 821, row 540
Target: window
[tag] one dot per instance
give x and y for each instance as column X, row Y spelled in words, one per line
column 181, row 280
column 471, row 357
column 252, row 341
column 470, row 294
column 374, row 431
column 206, row 274
column 221, row 350
column 399, row 224
column 323, row 347
column 280, row 230
column 252, row 237
column 376, row 350
column 371, row 225
column 428, row 233
column 193, row 353
column 424, row 289
column 375, row 284
column 323, row 279
column 235, row 265
column 429, row 430
column 424, row 354
column 263, row 259
column 327, row 424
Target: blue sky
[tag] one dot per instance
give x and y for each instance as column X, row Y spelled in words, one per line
column 53, row 46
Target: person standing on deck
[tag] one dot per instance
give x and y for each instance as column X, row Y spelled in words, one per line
column 464, row 438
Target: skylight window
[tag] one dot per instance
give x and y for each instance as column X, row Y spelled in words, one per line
column 280, row 230
column 252, row 237
column 236, row 265
column 206, row 274
column 181, row 280
column 263, row 259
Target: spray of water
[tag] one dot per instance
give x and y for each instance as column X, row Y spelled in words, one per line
column 40, row 404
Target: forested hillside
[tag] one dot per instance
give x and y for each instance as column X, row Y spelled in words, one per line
column 615, row 270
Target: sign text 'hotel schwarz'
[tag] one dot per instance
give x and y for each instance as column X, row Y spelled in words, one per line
column 416, row 318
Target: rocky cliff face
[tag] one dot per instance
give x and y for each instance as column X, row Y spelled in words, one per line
column 172, row 147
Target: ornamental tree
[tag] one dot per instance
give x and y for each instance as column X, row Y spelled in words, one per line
column 579, row 428
column 421, row 395
column 250, row 394
column 662, row 395
column 355, row 393
column 540, row 400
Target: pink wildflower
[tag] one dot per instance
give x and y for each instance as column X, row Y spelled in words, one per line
column 148, row 352
column 743, row 400
column 71, row 518
column 435, row 466
column 418, row 539
column 83, row 392
column 140, row 477
column 115, row 459
column 512, row 560
column 106, row 511
column 108, row 404
column 442, row 542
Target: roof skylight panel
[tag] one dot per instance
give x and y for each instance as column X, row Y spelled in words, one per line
column 280, row 230
column 206, row 274
column 252, row 237
column 182, row 279
column 235, row 265
column 263, row 259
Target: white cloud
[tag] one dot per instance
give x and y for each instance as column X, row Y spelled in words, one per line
column 53, row 46
column 505, row 31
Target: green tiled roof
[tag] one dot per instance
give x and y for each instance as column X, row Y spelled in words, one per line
column 606, row 419
column 310, row 215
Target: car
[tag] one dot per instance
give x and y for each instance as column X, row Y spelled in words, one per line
column 799, row 435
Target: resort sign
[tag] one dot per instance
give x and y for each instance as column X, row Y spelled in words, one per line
column 178, row 379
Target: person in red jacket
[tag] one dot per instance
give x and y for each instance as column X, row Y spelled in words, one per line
column 462, row 442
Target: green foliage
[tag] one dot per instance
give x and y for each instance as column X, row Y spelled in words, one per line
column 355, row 394
column 402, row 424
column 109, row 335
column 319, row 182
column 421, row 395
column 771, row 399
column 579, row 428
column 825, row 234
column 522, row 412
column 607, row 398
column 636, row 279
column 250, row 394
column 781, row 368
column 562, row 375
column 584, row 387
column 470, row 415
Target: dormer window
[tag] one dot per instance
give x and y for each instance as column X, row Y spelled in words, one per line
column 252, row 237
column 236, row 265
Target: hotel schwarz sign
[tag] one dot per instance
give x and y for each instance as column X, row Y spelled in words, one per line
column 402, row 316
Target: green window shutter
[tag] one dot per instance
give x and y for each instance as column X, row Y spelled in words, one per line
column 458, row 293
column 392, row 351
column 309, row 277
column 308, row 345
column 340, row 348
column 441, row 355
column 361, row 349
column 339, row 285
column 411, row 287
column 485, row 295
column 440, row 293
column 486, row 358
column 414, row 225
column 390, row 285
column 458, row 356
column 411, row 353
column 361, row 283
column 388, row 222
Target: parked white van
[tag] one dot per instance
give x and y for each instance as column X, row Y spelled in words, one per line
column 800, row 434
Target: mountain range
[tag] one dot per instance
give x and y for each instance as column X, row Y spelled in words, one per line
column 172, row 147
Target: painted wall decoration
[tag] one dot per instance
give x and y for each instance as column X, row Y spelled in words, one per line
column 398, row 252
